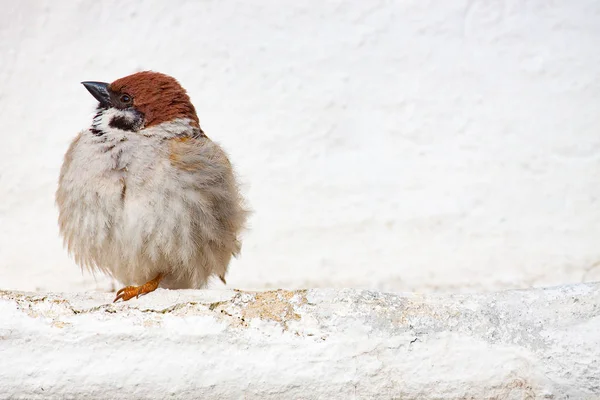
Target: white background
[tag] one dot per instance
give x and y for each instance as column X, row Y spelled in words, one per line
column 397, row 145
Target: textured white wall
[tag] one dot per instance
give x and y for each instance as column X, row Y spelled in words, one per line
column 304, row 345
column 408, row 145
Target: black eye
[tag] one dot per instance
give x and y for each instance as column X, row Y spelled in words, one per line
column 125, row 98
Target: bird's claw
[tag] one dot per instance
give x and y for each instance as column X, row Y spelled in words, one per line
column 127, row 293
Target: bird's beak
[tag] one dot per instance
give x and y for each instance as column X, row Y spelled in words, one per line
column 100, row 91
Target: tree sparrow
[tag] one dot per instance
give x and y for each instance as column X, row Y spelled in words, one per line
column 144, row 195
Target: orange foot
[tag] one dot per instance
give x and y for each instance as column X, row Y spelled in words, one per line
column 129, row 292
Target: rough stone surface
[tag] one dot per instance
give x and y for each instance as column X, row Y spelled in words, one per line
column 410, row 145
column 304, row 344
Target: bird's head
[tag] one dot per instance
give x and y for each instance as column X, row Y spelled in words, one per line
column 140, row 101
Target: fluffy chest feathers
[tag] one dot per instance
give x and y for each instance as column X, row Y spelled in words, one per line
column 133, row 205
column 123, row 184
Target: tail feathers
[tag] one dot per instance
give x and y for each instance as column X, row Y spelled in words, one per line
column 237, row 248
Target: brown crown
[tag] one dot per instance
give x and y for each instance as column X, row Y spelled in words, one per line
column 160, row 97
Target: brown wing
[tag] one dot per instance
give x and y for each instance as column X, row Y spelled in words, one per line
column 203, row 166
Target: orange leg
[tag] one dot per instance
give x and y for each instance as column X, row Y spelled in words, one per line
column 130, row 292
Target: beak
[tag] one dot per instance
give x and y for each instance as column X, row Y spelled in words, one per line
column 100, row 91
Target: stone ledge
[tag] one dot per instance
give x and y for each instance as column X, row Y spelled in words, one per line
column 305, row 344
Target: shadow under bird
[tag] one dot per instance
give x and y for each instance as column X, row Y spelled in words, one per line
column 144, row 195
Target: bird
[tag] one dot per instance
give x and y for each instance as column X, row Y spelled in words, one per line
column 144, row 195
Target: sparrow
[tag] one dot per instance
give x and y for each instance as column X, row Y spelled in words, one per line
column 144, row 195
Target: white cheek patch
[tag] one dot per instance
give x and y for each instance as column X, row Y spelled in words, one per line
column 113, row 123
column 113, row 120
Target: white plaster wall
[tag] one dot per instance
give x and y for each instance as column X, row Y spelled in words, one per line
column 407, row 145
column 302, row 345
